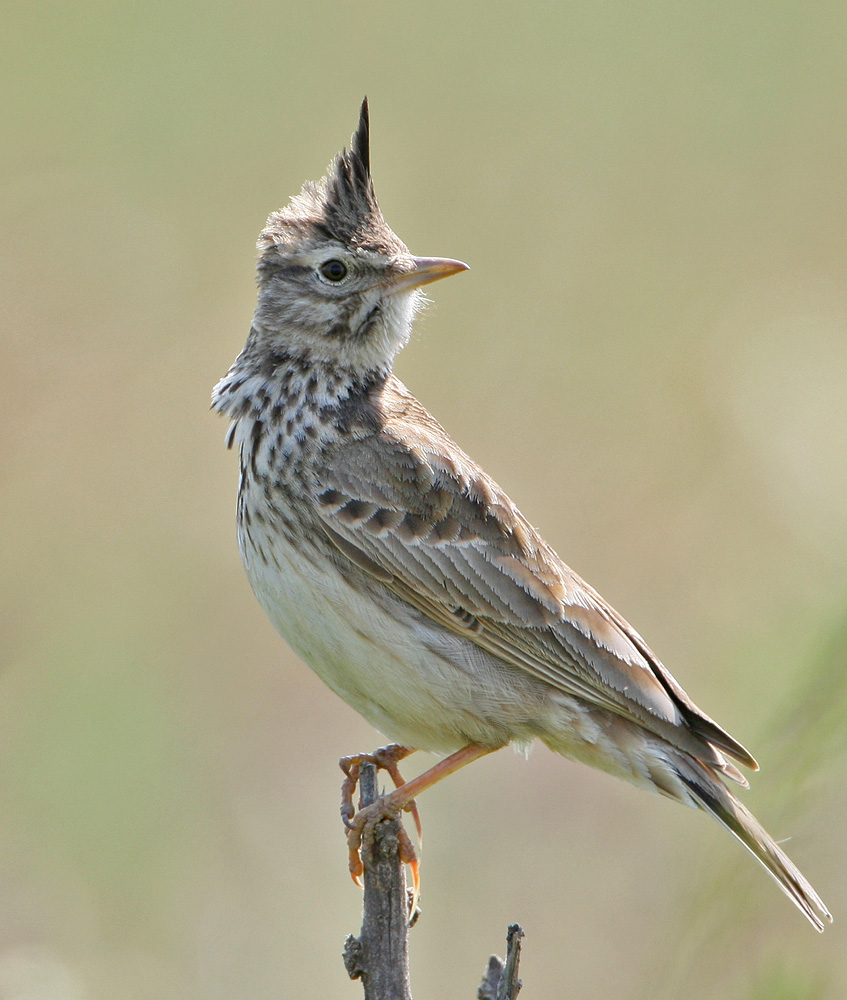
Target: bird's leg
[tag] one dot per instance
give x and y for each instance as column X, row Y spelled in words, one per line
column 360, row 826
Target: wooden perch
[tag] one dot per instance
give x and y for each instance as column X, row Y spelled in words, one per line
column 500, row 981
column 379, row 956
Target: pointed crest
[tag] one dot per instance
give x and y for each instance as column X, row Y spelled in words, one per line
column 342, row 206
column 352, row 171
column 351, row 207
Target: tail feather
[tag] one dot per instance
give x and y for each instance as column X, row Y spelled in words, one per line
column 710, row 795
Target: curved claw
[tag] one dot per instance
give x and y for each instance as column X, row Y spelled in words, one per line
column 409, row 856
column 354, row 860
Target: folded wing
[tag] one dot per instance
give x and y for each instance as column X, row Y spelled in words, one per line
column 405, row 504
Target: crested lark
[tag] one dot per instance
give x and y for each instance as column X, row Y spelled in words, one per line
column 399, row 571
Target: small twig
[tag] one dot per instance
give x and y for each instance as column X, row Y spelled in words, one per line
column 380, row 955
column 501, row 978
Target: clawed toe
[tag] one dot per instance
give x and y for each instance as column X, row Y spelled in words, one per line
column 360, row 837
column 360, row 825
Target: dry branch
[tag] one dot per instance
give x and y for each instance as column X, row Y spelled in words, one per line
column 379, row 956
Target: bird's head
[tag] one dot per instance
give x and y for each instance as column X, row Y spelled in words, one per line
column 335, row 282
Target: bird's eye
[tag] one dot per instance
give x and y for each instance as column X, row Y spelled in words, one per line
column 334, row 270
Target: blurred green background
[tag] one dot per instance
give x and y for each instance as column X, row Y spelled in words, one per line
column 650, row 355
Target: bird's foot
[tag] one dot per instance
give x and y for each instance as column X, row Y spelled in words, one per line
column 360, row 825
column 360, row 840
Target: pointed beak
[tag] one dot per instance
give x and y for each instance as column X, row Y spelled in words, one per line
column 425, row 271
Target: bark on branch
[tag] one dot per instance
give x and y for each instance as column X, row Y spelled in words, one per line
column 501, row 978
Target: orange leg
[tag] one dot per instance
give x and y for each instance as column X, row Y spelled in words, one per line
column 360, row 825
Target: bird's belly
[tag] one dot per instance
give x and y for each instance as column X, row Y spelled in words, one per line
column 404, row 675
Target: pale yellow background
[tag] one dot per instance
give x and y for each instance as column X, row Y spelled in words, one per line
column 650, row 354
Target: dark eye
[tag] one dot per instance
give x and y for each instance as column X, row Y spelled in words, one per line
column 334, row 270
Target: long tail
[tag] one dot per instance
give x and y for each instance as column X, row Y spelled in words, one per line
column 709, row 793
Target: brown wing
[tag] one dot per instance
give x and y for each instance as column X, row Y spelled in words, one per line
column 407, row 505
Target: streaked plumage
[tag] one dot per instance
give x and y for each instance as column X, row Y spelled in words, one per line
column 399, row 571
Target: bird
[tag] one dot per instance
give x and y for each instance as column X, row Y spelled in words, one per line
column 401, row 573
